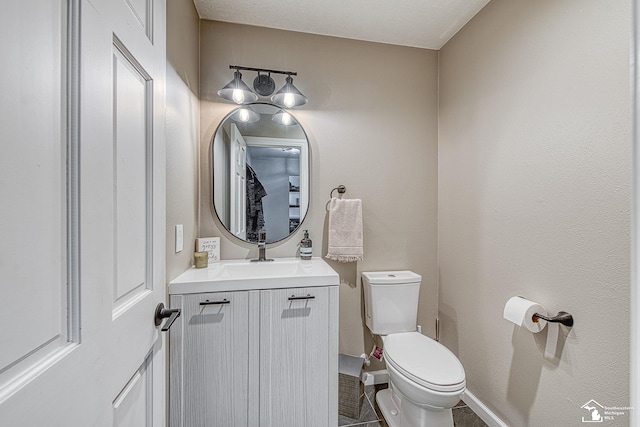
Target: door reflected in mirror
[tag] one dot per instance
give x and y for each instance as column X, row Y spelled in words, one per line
column 260, row 172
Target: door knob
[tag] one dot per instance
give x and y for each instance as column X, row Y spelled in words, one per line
column 163, row 313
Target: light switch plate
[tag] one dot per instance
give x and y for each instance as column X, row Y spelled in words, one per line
column 179, row 238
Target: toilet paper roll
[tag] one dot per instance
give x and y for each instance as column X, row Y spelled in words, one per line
column 520, row 311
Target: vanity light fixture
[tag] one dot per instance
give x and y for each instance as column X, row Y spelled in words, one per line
column 237, row 91
column 289, row 96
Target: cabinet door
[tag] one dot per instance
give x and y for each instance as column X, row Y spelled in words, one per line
column 298, row 357
column 213, row 359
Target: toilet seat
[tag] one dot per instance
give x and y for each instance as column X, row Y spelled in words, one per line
column 424, row 361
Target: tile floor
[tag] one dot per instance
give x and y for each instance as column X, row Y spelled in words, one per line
column 370, row 415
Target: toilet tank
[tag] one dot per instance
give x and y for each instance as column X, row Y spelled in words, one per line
column 391, row 301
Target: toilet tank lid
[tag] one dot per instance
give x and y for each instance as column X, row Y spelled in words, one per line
column 391, row 277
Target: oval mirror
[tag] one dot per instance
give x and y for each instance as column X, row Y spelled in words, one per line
column 260, row 172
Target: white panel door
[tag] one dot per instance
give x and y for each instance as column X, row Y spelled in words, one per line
column 238, row 183
column 82, row 184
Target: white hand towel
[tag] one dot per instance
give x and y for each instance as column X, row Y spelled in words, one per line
column 345, row 230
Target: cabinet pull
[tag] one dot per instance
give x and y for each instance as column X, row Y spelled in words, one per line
column 207, row 302
column 293, row 297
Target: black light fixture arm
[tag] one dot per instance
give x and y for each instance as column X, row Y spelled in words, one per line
column 262, row 70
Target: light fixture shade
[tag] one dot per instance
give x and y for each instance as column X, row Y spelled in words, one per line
column 246, row 115
column 289, row 96
column 284, row 118
column 237, row 91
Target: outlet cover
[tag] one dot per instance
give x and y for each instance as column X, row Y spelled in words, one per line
column 179, row 238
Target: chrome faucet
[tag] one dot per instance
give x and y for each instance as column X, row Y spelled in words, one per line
column 262, row 247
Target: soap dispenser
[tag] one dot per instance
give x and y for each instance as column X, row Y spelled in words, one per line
column 305, row 246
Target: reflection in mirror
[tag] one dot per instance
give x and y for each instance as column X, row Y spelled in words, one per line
column 260, row 172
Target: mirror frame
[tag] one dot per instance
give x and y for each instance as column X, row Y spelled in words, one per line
column 304, row 159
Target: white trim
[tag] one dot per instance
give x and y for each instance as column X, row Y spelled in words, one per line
column 635, row 223
column 481, row 410
column 375, row 377
column 72, row 135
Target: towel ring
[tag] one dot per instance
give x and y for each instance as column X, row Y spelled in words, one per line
column 341, row 190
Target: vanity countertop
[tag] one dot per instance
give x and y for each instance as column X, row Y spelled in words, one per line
column 242, row 274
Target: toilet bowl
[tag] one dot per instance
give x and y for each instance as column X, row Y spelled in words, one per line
column 425, row 378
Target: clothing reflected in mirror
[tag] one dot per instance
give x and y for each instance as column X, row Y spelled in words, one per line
column 255, row 214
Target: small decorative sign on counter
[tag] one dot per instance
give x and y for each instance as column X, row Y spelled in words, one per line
column 210, row 245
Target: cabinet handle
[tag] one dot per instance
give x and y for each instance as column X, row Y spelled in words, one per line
column 207, row 302
column 293, row 297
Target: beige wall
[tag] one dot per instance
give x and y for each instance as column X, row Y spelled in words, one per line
column 534, row 197
column 183, row 124
column 372, row 125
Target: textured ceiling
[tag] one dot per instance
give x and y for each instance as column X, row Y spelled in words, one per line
column 426, row 24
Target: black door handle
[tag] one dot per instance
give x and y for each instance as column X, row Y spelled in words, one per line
column 163, row 313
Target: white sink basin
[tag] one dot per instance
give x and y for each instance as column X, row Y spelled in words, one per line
column 236, row 275
column 253, row 270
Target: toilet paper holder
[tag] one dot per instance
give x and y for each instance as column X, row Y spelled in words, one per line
column 562, row 317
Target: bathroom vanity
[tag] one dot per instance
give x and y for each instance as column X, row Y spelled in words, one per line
column 256, row 345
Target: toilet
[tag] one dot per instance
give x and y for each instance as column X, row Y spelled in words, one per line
column 425, row 379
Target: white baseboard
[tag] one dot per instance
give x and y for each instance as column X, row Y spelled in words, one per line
column 482, row 411
column 375, row 377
